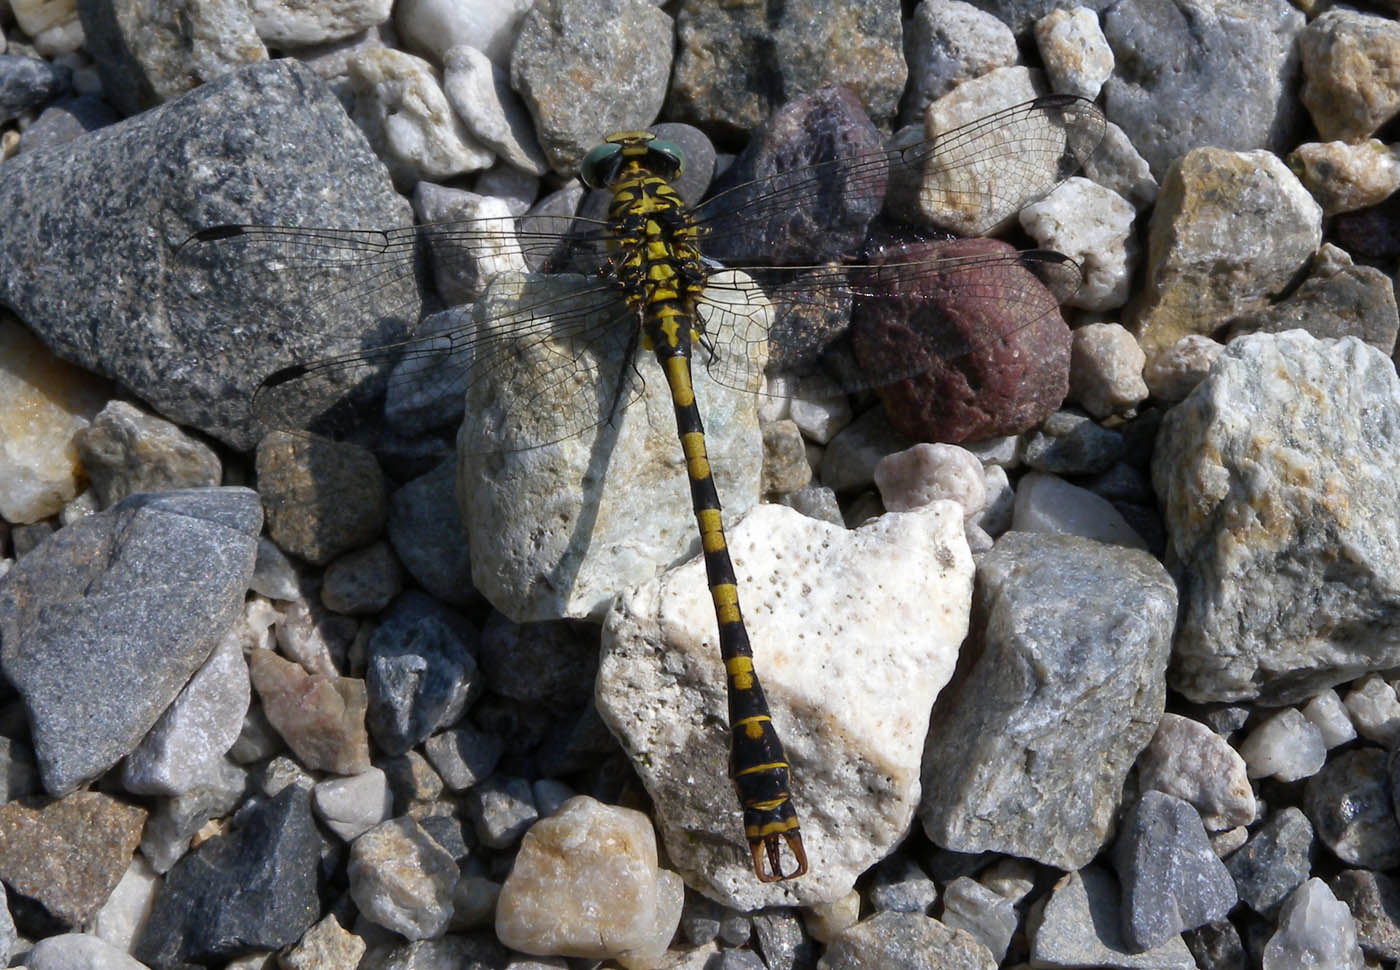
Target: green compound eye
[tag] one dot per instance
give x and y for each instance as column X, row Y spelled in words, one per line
column 597, row 165
column 671, row 157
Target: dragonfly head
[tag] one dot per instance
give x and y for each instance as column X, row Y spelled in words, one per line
column 631, row 150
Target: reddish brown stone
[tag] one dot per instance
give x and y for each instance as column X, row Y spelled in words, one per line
column 969, row 347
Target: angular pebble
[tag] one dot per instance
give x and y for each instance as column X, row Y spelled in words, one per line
column 1343, row 177
column 420, row 675
column 66, row 856
column 1046, row 694
column 904, row 590
column 464, row 757
column 928, row 472
column 353, row 805
column 1190, row 761
column 1314, row 930
column 104, row 623
column 196, row 730
column 1329, row 714
column 1324, row 470
column 1274, row 862
column 125, row 451
column 985, row 913
column 1105, row 369
column 321, row 718
column 28, row 83
column 288, row 23
column 1080, row 927
column 1348, row 801
column 1076, row 53
column 323, row 498
column 501, row 809
column 326, row 946
column 1093, row 225
column 1374, row 710
column 1048, row 504
column 400, row 878
column 69, row 951
column 251, row 888
column 362, row 582
column 44, row 403
column 1171, row 878
column 1287, row 746
column 427, row 535
column 1350, row 73
column 480, row 94
column 585, row 883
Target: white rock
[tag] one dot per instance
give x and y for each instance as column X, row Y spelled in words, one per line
column 1094, row 226
column 1105, row 369
column 1188, row 760
column 79, row 951
column 292, row 23
column 351, row 806
column 1172, row 374
column 189, row 741
column 551, row 534
column 52, row 25
column 826, row 921
column 44, row 402
column 1048, row 503
column 1287, row 746
column 983, row 912
column 1328, row 713
column 854, row 633
column 1315, row 929
column 820, row 409
column 925, row 473
column 586, row 884
column 402, row 879
column 123, row 916
column 433, row 26
column 1074, row 50
column 480, row 94
column 464, row 263
column 401, row 108
column 1000, row 504
column 1374, row 710
column 517, row 189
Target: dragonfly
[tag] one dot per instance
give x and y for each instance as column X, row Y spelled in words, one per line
column 656, row 275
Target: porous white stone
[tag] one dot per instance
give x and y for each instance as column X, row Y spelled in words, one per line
column 854, row 633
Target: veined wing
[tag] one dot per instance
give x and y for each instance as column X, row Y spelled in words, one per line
column 967, row 181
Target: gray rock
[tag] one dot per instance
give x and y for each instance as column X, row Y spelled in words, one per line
column 253, row 888
column 1338, row 299
column 781, row 940
column 1021, row 15
column 1063, row 689
column 27, row 83
column 898, row 885
column 1349, row 804
column 66, row 119
column 147, row 54
column 1072, row 444
column 540, row 663
column 904, row 941
column 400, row 878
column 1374, row 901
column 323, row 498
column 420, row 675
column 175, row 820
column 196, row 730
column 1217, row 946
column 501, row 809
column 1208, row 72
column 1319, row 605
column 1274, row 861
column 269, row 144
column 808, row 45
column 297, row 24
column 1079, row 926
column 947, row 42
column 463, row 757
column 362, row 582
column 428, row 537
column 125, row 451
column 560, row 41
column 105, row 622
column 78, row 950
column 1171, row 878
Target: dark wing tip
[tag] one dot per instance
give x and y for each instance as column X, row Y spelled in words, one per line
column 211, row 233
column 283, row 375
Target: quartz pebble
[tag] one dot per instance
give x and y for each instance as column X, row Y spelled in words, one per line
column 925, row 473
column 1331, row 717
column 400, row 878
column 1374, row 710
column 989, row 916
column 354, row 804
column 1190, row 761
column 1105, row 369
column 321, row 718
column 1314, row 930
column 1049, row 504
column 1287, row 746
column 585, row 883
column 1077, row 56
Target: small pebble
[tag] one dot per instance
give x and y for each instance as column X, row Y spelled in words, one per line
column 1374, row 710
column 1287, row 746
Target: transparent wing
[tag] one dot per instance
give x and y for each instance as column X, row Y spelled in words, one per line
column 967, row 180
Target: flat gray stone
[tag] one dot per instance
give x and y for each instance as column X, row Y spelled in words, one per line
column 193, row 332
column 104, row 623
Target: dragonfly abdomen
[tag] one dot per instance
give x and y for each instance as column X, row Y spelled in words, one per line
column 660, row 271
